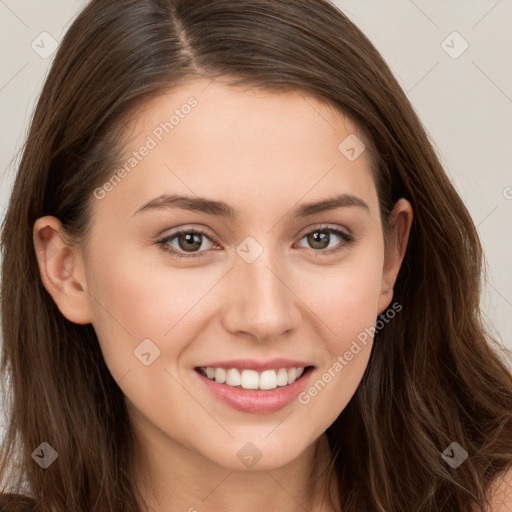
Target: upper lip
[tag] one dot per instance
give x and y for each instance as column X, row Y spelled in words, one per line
column 254, row 364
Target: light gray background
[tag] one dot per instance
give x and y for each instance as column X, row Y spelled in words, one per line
column 465, row 103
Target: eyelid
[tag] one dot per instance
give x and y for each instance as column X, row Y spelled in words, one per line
column 322, row 226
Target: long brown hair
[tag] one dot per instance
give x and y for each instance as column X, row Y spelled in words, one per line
column 435, row 375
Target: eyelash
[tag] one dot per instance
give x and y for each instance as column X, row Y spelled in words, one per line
column 348, row 239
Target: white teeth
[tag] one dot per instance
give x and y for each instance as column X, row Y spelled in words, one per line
column 233, row 377
column 251, row 379
column 220, row 374
column 282, row 377
column 268, row 379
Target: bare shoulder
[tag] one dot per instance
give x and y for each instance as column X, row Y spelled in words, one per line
column 500, row 497
column 11, row 502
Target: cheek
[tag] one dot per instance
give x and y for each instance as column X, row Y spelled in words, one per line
column 136, row 300
column 346, row 303
column 345, row 296
column 348, row 310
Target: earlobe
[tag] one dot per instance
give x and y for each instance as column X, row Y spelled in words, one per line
column 400, row 223
column 58, row 269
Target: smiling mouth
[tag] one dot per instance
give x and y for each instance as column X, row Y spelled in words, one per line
column 266, row 380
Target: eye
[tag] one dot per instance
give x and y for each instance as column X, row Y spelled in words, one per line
column 187, row 240
column 321, row 236
column 190, row 241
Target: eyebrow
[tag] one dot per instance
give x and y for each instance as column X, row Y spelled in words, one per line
column 222, row 209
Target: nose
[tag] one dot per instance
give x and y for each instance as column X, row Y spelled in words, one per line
column 262, row 304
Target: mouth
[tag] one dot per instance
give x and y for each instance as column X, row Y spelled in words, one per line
column 254, row 392
column 248, row 379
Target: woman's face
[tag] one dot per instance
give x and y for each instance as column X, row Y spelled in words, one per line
column 267, row 282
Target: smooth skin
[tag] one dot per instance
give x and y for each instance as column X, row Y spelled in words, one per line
column 263, row 154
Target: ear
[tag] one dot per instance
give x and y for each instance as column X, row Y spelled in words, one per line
column 400, row 221
column 61, row 270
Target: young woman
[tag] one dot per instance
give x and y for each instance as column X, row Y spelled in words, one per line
column 236, row 277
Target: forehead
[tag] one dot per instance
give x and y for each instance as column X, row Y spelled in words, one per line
column 241, row 146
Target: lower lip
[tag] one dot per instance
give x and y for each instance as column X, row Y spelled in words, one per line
column 257, row 401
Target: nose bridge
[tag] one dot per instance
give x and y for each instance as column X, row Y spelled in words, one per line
column 262, row 303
